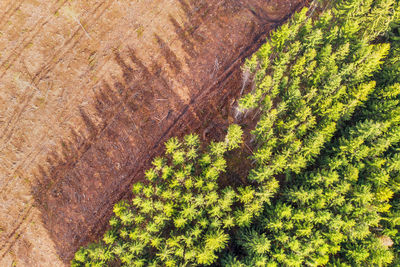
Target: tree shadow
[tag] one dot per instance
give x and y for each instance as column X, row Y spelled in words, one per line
column 131, row 117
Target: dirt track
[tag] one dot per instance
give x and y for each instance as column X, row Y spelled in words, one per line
column 88, row 93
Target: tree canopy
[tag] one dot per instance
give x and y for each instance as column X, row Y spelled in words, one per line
column 324, row 185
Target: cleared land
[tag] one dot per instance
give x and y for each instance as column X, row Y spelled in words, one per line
column 90, row 90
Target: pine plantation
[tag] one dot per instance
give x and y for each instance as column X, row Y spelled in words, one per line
column 324, row 186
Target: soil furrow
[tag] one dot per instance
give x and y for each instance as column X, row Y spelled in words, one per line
column 13, row 7
column 58, row 55
column 36, row 29
column 100, row 165
column 165, row 69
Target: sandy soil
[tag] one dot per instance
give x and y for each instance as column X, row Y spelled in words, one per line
column 90, row 90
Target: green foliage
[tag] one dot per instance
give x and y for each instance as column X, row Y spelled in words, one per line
column 336, row 210
column 344, row 210
column 179, row 217
column 309, row 77
column 327, row 92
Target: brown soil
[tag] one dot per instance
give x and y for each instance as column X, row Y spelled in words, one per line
column 90, row 90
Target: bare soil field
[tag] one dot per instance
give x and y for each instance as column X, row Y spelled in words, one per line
column 90, row 90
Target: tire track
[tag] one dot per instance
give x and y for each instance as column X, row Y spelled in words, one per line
column 187, row 111
column 99, row 212
column 74, row 39
column 16, row 53
column 142, row 68
column 134, row 59
column 86, row 145
column 16, row 232
column 23, row 44
column 44, row 71
column 10, row 12
column 37, row 147
column 32, row 154
column 122, row 107
column 127, row 84
column 119, row 106
column 101, row 68
column 54, row 60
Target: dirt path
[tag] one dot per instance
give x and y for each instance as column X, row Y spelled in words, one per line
column 89, row 90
